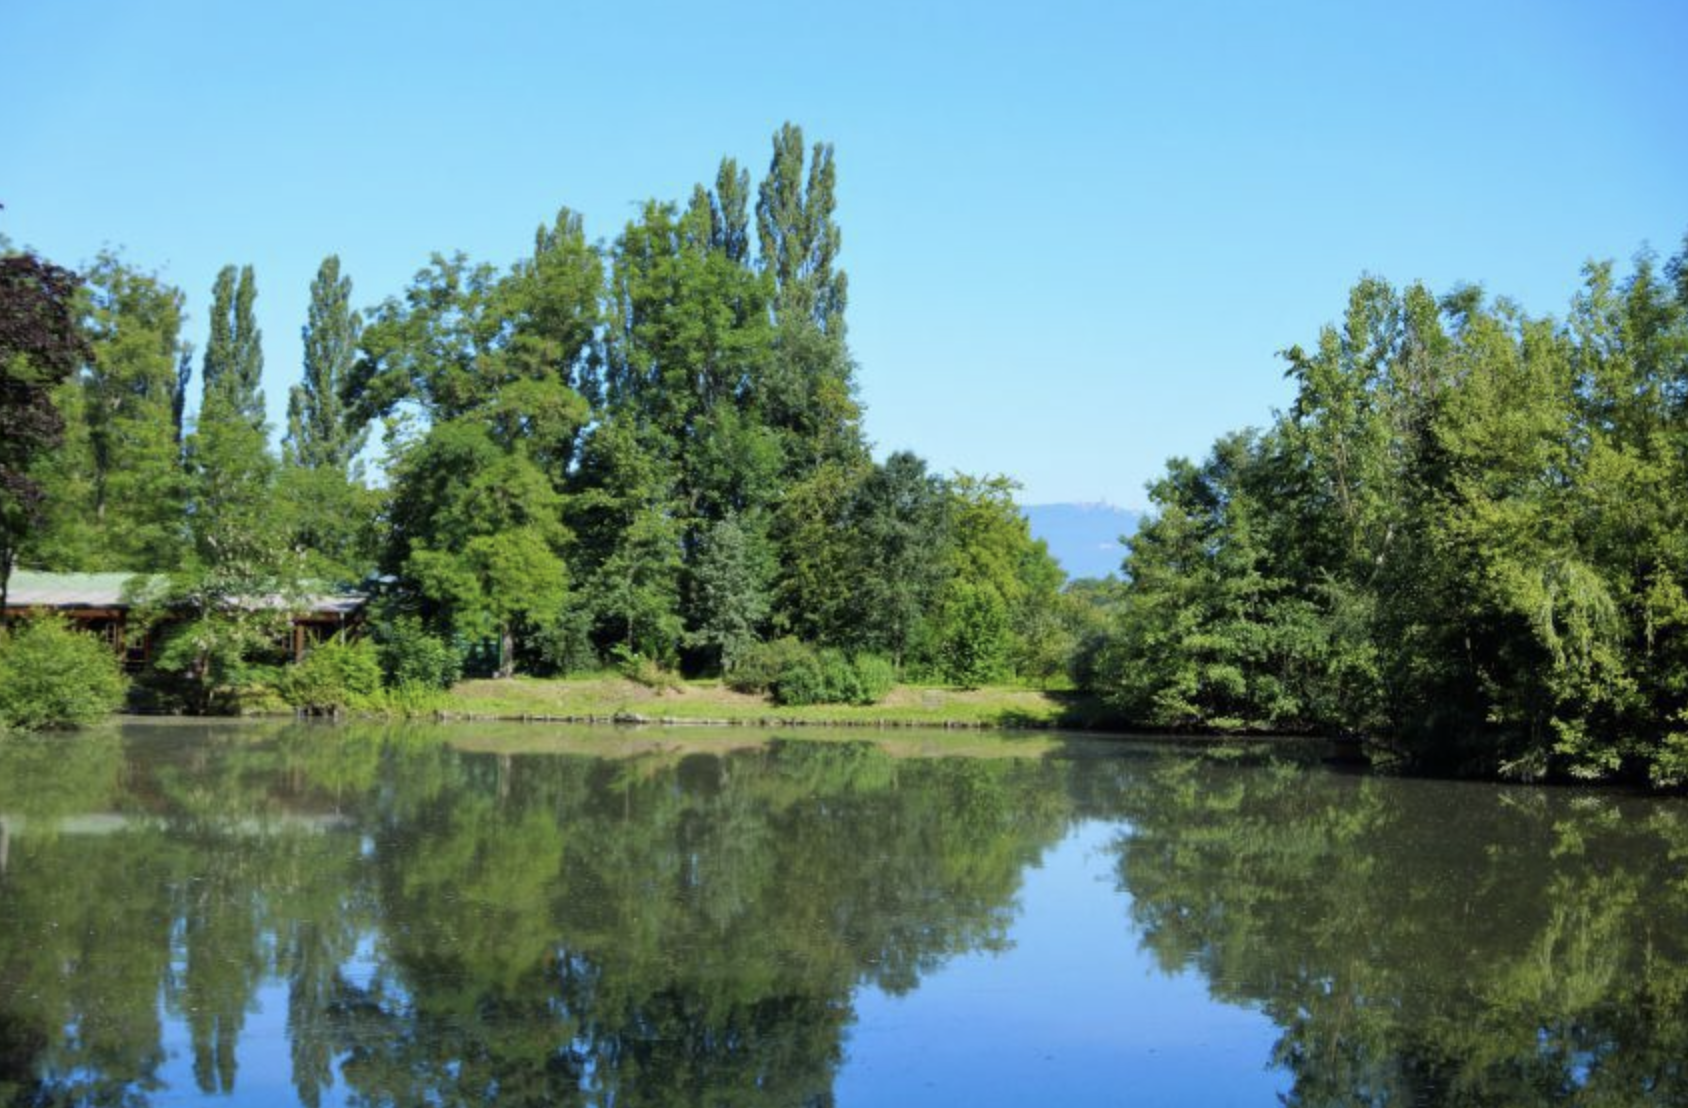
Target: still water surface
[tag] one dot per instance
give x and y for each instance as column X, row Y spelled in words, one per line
column 279, row 913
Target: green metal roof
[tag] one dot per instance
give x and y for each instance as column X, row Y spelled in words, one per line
column 32, row 589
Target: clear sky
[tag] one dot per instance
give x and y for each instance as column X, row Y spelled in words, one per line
column 1075, row 232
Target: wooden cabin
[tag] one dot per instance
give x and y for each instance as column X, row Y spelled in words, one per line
column 101, row 604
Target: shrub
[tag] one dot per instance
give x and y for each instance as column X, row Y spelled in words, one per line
column 759, row 667
column 973, row 644
column 842, row 686
column 333, row 676
column 831, row 677
column 876, row 676
column 795, row 674
column 410, row 699
column 52, row 676
column 802, row 681
column 411, row 655
column 642, row 670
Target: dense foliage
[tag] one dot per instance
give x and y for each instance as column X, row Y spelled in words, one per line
column 793, row 673
column 647, row 452
column 337, row 675
column 54, row 677
column 1467, row 538
column 40, row 346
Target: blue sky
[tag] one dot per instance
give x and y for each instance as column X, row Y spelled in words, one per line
column 1076, row 233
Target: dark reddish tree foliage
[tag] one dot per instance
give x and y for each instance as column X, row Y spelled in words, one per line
column 40, row 346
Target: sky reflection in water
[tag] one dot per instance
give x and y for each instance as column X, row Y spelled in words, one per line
column 277, row 913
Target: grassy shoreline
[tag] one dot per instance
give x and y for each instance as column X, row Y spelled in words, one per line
column 614, row 699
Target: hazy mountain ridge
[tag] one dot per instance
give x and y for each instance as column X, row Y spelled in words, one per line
column 1084, row 538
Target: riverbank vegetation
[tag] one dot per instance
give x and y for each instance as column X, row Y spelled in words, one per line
column 645, row 455
column 54, row 677
column 1466, row 539
column 609, row 696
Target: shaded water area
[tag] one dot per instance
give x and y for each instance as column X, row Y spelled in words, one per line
column 477, row 914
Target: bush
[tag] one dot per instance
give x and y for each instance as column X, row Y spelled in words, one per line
column 796, row 674
column 410, row 655
column 758, row 669
column 642, row 670
column 876, row 676
column 973, row 643
column 335, row 675
column 802, row 681
column 225, row 662
column 52, row 676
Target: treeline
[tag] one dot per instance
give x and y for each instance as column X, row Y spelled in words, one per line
column 1467, row 538
column 647, row 453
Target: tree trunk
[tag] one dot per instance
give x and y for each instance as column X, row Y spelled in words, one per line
column 506, row 651
column 5, row 583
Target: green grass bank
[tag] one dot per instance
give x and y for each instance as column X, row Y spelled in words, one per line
column 612, row 698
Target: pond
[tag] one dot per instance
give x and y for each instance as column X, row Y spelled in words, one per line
column 269, row 913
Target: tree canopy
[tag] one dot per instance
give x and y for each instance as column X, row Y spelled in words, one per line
column 1467, row 539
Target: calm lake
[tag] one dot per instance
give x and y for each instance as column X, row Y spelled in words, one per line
column 268, row 913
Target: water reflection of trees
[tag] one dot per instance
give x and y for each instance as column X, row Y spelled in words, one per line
column 448, row 928
column 1425, row 943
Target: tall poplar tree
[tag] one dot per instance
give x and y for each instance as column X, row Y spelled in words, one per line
column 730, row 212
column 234, row 356
column 810, row 390
column 318, row 433
column 331, row 514
column 240, row 575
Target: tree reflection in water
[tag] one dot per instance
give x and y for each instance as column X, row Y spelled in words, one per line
column 1423, row 942
column 456, row 928
column 665, row 927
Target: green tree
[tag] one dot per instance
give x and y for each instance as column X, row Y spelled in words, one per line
column 900, row 524
column 319, row 434
column 133, row 321
column 516, row 351
column 115, row 484
column 320, row 489
column 630, row 541
column 817, row 555
column 688, row 347
column 973, row 646
column 1464, row 539
column 67, row 534
column 481, row 535
column 498, row 365
column 809, row 391
column 241, row 580
column 1001, row 583
column 730, row 597
column 234, row 355
column 53, row 677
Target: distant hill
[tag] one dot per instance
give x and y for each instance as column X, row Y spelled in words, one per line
column 1083, row 537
